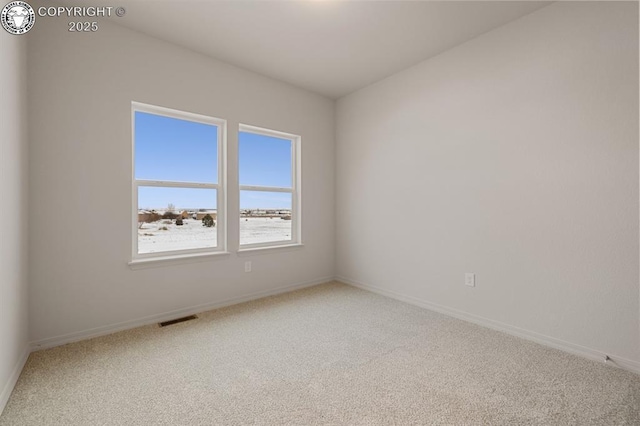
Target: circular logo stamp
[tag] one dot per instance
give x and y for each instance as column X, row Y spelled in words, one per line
column 17, row 17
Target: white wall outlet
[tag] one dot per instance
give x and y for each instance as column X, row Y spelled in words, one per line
column 247, row 266
column 470, row 279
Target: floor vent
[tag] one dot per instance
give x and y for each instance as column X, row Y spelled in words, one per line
column 177, row 320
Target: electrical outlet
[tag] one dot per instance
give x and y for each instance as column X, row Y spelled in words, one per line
column 470, row 279
column 247, row 266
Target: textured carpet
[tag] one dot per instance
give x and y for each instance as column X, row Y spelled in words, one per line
column 330, row 354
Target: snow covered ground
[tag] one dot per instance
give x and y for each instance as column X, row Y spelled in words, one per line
column 165, row 235
column 263, row 229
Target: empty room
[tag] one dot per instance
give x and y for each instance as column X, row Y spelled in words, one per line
column 320, row 212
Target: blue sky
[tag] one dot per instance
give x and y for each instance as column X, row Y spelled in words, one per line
column 266, row 161
column 180, row 150
column 177, row 150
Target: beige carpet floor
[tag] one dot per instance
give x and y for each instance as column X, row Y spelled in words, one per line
column 331, row 354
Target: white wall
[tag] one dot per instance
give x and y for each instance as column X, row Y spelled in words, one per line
column 13, row 193
column 514, row 156
column 81, row 88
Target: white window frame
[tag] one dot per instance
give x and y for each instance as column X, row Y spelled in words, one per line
column 220, row 186
column 295, row 190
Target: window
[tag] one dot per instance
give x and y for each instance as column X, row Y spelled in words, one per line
column 269, row 174
column 178, row 182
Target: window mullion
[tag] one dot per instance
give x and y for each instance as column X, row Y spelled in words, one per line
column 265, row 188
column 173, row 184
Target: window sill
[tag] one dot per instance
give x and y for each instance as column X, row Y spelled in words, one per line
column 250, row 251
column 156, row 262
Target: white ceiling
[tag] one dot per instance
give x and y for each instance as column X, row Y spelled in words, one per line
column 329, row 47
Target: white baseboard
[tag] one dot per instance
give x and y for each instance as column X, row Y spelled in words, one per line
column 13, row 379
column 552, row 342
column 152, row 319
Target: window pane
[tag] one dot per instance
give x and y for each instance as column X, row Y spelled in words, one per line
column 264, row 160
column 159, row 214
column 175, row 150
column 264, row 217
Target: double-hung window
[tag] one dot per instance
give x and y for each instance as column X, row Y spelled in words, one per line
column 178, row 183
column 269, row 177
